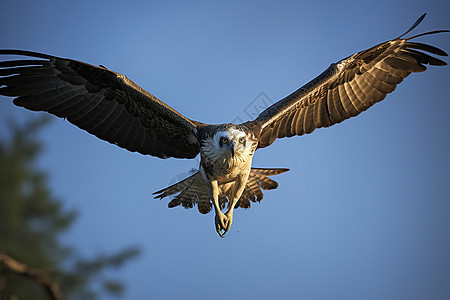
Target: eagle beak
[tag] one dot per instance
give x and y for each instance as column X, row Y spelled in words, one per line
column 231, row 147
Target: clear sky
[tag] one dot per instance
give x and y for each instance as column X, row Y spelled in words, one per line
column 364, row 212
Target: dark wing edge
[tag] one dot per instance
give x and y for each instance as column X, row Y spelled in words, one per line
column 347, row 88
column 102, row 102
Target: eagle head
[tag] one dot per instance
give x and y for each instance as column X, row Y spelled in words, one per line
column 230, row 144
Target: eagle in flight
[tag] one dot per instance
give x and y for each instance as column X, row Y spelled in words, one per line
column 113, row 108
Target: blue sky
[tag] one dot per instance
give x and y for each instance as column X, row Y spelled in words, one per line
column 364, row 212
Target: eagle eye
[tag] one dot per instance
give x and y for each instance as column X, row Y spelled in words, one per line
column 223, row 140
column 242, row 140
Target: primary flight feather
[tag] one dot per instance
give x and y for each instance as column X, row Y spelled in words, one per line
column 113, row 108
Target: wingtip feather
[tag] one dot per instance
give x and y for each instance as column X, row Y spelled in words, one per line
column 25, row 53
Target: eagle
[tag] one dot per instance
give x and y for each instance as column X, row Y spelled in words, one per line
column 112, row 107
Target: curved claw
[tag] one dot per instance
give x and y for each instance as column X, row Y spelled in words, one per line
column 219, row 230
column 221, row 222
column 229, row 220
column 222, row 235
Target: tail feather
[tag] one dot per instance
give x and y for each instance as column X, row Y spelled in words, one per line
column 192, row 190
column 258, row 180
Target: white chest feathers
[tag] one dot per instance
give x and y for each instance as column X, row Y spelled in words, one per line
column 227, row 152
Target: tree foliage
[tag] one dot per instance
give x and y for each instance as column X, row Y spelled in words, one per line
column 32, row 221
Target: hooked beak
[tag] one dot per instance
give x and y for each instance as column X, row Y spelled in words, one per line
column 231, row 147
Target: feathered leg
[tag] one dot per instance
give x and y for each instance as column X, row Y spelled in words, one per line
column 238, row 188
column 212, row 185
column 220, row 219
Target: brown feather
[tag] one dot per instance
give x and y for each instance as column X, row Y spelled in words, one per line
column 192, row 190
column 346, row 88
column 100, row 101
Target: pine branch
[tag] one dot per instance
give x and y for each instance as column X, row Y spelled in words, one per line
column 38, row 276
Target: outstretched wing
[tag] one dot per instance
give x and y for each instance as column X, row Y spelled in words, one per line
column 102, row 102
column 347, row 88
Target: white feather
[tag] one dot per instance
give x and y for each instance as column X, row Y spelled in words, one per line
column 220, row 158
